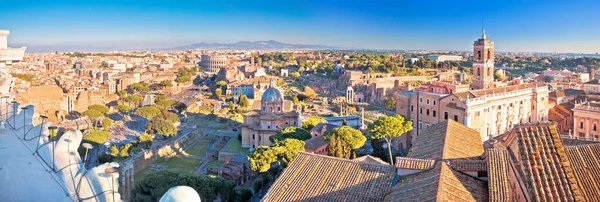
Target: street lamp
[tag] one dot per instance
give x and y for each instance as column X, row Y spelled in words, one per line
column 87, row 146
column 14, row 114
column 24, row 110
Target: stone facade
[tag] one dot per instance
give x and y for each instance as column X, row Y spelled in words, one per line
column 213, row 63
column 586, row 118
column 274, row 114
column 483, row 63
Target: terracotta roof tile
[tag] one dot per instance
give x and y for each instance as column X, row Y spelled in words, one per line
column 585, row 161
column 441, row 183
column 447, row 140
column 415, row 164
column 498, row 176
column 312, row 177
column 546, row 167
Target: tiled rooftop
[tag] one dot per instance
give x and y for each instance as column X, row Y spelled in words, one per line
column 312, row 177
column 441, row 183
column 447, row 140
column 585, row 160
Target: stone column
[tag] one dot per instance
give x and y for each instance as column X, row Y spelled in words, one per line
column 587, row 128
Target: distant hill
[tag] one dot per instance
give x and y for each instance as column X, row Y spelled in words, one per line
column 254, row 45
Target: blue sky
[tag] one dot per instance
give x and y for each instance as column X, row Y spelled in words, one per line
column 541, row 26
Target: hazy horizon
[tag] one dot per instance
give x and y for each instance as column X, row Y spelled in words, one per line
column 515, row 26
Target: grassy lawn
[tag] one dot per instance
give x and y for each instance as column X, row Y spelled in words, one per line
column 199, row 149
column 179, row 164
column 235, row 145
column 214, row 164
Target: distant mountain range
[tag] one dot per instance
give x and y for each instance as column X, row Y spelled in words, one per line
column 254, row 45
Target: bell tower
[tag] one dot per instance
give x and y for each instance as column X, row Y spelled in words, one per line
column 483, row 63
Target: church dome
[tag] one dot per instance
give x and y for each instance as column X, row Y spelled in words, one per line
column 272, row 95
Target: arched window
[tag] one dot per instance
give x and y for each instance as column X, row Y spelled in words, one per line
column 478, row 55
column 489, row 72
column 489, row 55
column 478, row 72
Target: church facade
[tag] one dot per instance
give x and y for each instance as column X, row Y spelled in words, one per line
column 274, row 114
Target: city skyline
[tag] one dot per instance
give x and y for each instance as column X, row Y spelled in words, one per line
column 435, row 25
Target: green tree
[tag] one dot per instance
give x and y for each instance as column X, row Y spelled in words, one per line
column 124, row 151
column 389, row 103
column 309, row 92
column 148, row 112
column 244, row 102
column 133, row 99
column 166, row 83
column 94, row 115
column 122, row 94
column 123, row 108
column 114, row 151
column 282, row 152
column 312, row 122
column 221, row 83
column 183, row 79
column 292, row 132
column 106, row 123
column 96, row 137
column 295, row 74
column 389, row 127
column 164, row 101
column 154, row 185
column 344, row 140
column 140, row 87
column 161, row 126
column 146, row 140
column 218, row 93
column 498, row 76
column 295, row 100
column 169, row 116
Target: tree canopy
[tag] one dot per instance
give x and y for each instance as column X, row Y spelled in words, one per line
column 164, row 101
column 169, row 116
column 96, row 137
column 309, row 92
column 106, row 123
column 123, row 108
column 133, row 99
column 221, row 83
column 143, row 87
column 282, row 152
column 100, row 108
column 344, row 140
column 93, row 114
column 312, row 122
column 153, row 186
column 388, row 127
column 145, row 140
column 389, row 103
column 166, row 83
column 244, row 102
column 292, row 132
column 148, row 112
column 161, row 126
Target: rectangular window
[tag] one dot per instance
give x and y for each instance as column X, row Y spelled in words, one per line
column 434, row 103
column 420, row 110
column 427, row 100
column 477, row 114
column 411, row 108
column 420, row 125
column 421, row 100
column 427, row 112
column 434, row 113
column 445, row 115
column 455, row 118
